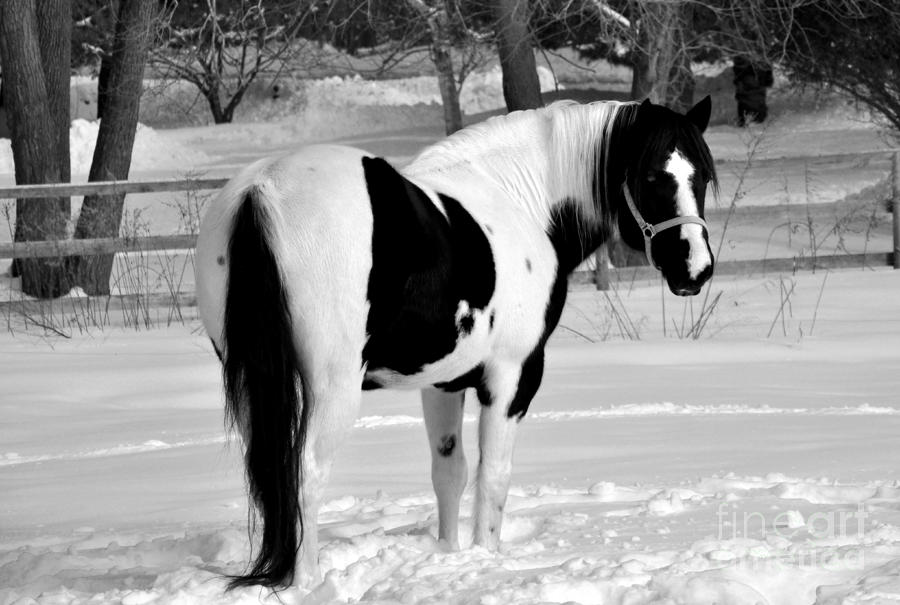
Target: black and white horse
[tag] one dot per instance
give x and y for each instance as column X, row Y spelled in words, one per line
column 328, row 271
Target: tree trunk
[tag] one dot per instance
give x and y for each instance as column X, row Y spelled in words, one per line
column 682, row 85
column 642, row 78
column 101, row 215
column 661, row 60
column 680, row 96
column 215, row 105
column 521, row 87
column 438, row 20
column 34, row 52
column 449, row 92
column 103, row 83
column 111, row 12
column 661, row 42
column 55, row 36
column 441, row 46
column 236, row 98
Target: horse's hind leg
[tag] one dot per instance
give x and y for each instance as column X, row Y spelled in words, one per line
column 333, row 389
column 331, row 334
column 443, row 420
column 505, row 395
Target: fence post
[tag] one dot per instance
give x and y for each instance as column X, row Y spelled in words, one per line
column 895, row 207
column 601, row 268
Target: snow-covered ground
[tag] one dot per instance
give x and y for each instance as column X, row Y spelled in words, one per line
column 735, row 469
column 757, row 464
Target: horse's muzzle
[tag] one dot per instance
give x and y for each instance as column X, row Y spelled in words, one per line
column 690, row 287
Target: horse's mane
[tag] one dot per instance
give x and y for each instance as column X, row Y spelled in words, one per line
column 577, row 137
column 461, row 146
column 580, row 148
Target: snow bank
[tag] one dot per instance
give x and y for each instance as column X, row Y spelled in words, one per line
column 481, row 91
column 152, row 151
column 325, row 109
column 373, row 105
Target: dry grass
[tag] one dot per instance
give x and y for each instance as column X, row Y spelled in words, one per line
column 149, row 288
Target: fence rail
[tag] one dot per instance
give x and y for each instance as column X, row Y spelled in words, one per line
column 100, row 245
column 106, row 245
column 110, row 188
column 85, row 247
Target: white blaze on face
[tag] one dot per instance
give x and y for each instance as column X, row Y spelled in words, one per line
column 686, row 205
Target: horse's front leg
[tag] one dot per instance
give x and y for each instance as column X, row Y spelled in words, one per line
column 506, row 393
column 443, row 420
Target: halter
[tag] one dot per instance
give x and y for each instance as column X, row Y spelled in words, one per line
column 651, row 230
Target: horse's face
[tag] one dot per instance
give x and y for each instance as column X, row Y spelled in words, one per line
column 668, row 172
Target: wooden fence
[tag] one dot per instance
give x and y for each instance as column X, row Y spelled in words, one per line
column 86, row 247
column 601, row 277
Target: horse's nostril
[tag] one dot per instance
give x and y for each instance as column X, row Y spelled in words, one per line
column 691, row 291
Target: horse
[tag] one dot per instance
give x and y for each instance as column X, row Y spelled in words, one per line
column 327, row 272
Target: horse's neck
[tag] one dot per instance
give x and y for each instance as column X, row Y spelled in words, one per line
column 540, row 159
column 508, row 153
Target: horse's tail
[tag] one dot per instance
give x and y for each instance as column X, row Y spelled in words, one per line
column 262, row 381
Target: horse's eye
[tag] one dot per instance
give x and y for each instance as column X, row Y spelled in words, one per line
column 651, row 177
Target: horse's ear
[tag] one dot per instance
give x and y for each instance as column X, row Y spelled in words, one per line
column 646, row 104
column 699, row 113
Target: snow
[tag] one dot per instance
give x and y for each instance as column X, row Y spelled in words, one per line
column 481, row 91
column 316, row 104
column 732, row 469
column 151, row 150
column 739, row 468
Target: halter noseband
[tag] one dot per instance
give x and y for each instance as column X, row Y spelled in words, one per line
column 651, row 230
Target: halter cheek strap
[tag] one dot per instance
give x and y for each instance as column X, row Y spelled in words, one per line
column 650, row 231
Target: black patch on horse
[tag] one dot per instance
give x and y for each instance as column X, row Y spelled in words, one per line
column 574, row 237
column 467, row 323
column 572, row 243
column 423, row 264
column 470, row 380
column 369, row 384
column 448, row 444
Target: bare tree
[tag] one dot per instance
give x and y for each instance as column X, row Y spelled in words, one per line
column 101, row 215
column 35, row 54
column 521, row 86
column 449, row 34
column 438, row 19
column 655, row 37
column 228, row 47
column 660, row 40
column 850, row 45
